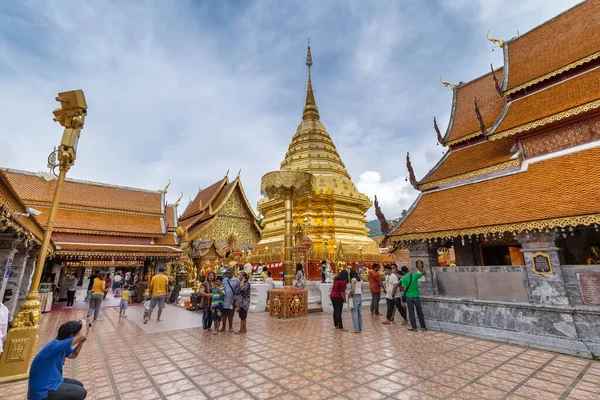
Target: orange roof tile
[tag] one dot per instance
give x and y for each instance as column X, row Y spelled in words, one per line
column 471, row 158
column 563, row 96
column 114, row 248
column 78, row 220
column 569, row 37
column 168, row 239
column 464, row 121
column 33, row 188
column 170, row 218
column 203, row 199
column 555, row 188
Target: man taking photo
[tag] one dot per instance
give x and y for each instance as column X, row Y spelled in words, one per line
column 46, row 374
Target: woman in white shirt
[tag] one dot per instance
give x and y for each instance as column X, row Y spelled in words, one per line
column 356, row 294
column 300, row 278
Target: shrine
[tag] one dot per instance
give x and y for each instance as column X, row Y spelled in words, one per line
column 218, row 227
column 516, row 196
column 329, row 220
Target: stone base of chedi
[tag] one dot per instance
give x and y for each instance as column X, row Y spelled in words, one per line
column 288, row 303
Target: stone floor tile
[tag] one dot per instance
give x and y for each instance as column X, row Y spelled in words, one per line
column 535, row 393
column 314, row 392
column 411, row 394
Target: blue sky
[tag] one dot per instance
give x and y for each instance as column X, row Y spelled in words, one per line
column 187, row 90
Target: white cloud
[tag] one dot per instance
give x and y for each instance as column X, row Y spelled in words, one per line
column 393, row 196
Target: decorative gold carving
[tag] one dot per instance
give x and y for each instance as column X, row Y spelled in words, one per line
column 464, row 138
column 548, row 120
column 16, row 350
column 288, row 303
column 29, row 314
column 585, row 220
column 447, row 84
column 479, row 172
column 274, row 184
column 496, row 41
column 554, row 73
column 541, row 263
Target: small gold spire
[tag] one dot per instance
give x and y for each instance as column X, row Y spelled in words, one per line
column 167, row 187
column 496, row 41
column 178, row 200
column 311, row 111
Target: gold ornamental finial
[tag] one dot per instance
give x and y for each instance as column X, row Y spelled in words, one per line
column 447, row 84
column 496, row 41
column 227, row 173
column 178, row 200
column 311, row 111
column 167, row 187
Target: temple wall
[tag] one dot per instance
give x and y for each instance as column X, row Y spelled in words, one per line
column 514, row 304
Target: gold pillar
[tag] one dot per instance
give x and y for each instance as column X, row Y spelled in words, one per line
column 288, row 260
column 21, row 340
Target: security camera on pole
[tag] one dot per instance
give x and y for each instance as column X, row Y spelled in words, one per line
column 22, row 338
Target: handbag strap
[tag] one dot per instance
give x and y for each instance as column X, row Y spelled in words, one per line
column 410, row 283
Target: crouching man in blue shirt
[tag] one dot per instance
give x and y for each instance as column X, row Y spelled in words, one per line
column 45, row 376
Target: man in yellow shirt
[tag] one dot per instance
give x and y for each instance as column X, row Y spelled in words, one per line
column 159, row 286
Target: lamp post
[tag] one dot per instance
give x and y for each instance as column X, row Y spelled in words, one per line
column 22, row 338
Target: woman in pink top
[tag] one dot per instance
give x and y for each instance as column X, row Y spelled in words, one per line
column 338, row 298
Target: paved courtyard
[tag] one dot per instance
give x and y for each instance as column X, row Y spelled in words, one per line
column 306, row 359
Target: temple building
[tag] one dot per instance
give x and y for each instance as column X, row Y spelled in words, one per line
column 516, row 193
column 333, row 217
column 219, row 225
column 99, row 226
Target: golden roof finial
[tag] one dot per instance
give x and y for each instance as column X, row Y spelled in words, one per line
column 310, row 107
column 167, row 187
column 447, row 84
column 178, row 200
column 226, row 174
column 239, row 173
column 496, row 41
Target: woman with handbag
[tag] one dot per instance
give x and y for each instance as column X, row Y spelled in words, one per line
column 206, row 291
column 338, row 298
column 242, row 300
column 356, row 295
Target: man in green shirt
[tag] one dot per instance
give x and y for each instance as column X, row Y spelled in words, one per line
column 410, row 286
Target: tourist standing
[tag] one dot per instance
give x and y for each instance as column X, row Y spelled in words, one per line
column 356, row 294
column 392, row 295
column 73, row 281
column 231, row 284
column 242, row 301
column 108, row 284
column 264, row 274
column 375, row 287
column 270, row 285
column 323, row 269
column 206, row 292
column 338, row 298
column 410, row 285
column 159, row 286
column 124, row 303
column 99, row 290
column 216, row 305
column 300, row 277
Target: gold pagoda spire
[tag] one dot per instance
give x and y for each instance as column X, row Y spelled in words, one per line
column 311, row 111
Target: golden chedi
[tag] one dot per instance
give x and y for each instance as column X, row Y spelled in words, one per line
column 333, row 217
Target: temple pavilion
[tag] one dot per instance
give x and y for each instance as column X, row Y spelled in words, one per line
column 330, row 223
column 98, row 226
column 219, row 225
column 523, row 148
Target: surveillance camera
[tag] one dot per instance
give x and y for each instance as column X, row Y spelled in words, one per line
column 33, row 211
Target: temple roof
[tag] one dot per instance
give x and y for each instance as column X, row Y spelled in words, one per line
column 556, row 192
column 204, row 198
column 570, row 39
column 471, row 160
column 83, row 221
column 38, row 188
column 207, row 204
column 570, row 97
column 463, row 123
